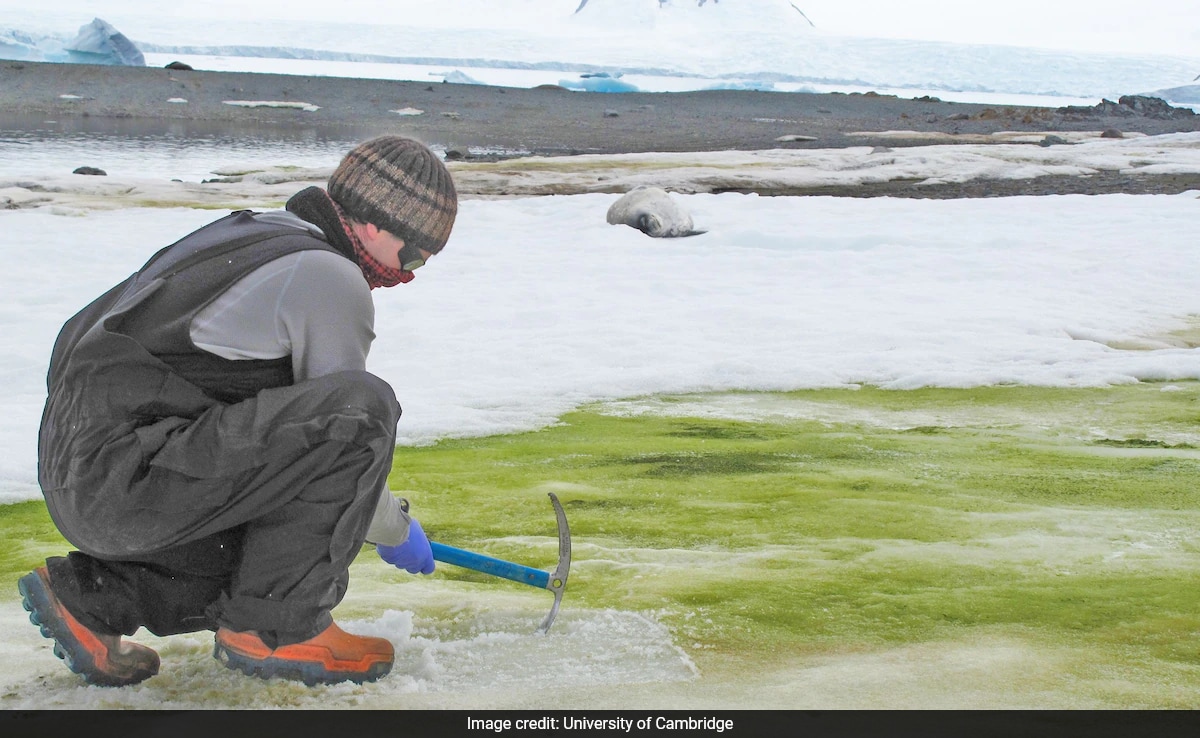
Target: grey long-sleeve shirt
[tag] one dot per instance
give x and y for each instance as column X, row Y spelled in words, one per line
column 314, row 306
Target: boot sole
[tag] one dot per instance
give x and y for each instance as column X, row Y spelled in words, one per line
column 310, row 673
column 36, row 600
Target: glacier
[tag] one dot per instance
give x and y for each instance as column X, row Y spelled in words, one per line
column 655, row 46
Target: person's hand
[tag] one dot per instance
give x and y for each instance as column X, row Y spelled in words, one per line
column 414, row 555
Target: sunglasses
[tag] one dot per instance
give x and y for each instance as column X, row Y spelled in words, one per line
column 411, row 257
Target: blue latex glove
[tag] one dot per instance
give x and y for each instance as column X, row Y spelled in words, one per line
column 414, row 555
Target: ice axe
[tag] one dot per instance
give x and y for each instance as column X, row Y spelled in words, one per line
column 555, row 581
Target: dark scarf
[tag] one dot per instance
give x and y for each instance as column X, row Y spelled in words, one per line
column 314, row 205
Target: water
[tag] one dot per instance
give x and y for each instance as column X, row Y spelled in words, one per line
column 160, row 149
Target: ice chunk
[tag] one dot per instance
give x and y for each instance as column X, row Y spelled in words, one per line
column 99, row 43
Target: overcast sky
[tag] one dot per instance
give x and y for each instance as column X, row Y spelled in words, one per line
column 1147, row 26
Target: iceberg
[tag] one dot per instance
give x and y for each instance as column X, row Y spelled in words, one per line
column 598, row 82
column 99, row 43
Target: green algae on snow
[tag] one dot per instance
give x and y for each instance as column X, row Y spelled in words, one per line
column 768, row 526
column 767, row 529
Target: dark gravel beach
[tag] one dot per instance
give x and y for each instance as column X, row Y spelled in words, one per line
column 483, row 122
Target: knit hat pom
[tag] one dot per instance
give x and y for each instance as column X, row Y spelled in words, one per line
column 401, row 186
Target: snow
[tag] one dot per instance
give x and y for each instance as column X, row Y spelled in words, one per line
column 307, row 107
column 780, row 293
column 538, row 305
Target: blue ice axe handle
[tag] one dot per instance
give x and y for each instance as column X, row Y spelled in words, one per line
column 489, row 565
column 555, row 581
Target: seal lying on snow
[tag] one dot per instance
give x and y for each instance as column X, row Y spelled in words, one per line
column 653, row 212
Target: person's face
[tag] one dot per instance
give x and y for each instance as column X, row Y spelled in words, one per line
column 386, row 247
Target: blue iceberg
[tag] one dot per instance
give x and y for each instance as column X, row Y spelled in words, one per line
column 95, row 43
column 598, row 82
column 99, row 43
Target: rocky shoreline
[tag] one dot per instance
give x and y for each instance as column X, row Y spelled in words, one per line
column 489, row 123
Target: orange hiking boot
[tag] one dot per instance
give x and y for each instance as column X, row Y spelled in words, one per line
column 331, row 657
column 103, row 660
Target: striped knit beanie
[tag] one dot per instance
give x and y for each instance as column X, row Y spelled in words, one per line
column 399, row 185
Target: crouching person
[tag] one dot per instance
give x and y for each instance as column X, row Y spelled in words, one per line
column 213, row 445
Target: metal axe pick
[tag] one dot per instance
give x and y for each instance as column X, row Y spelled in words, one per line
column 555, row 581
